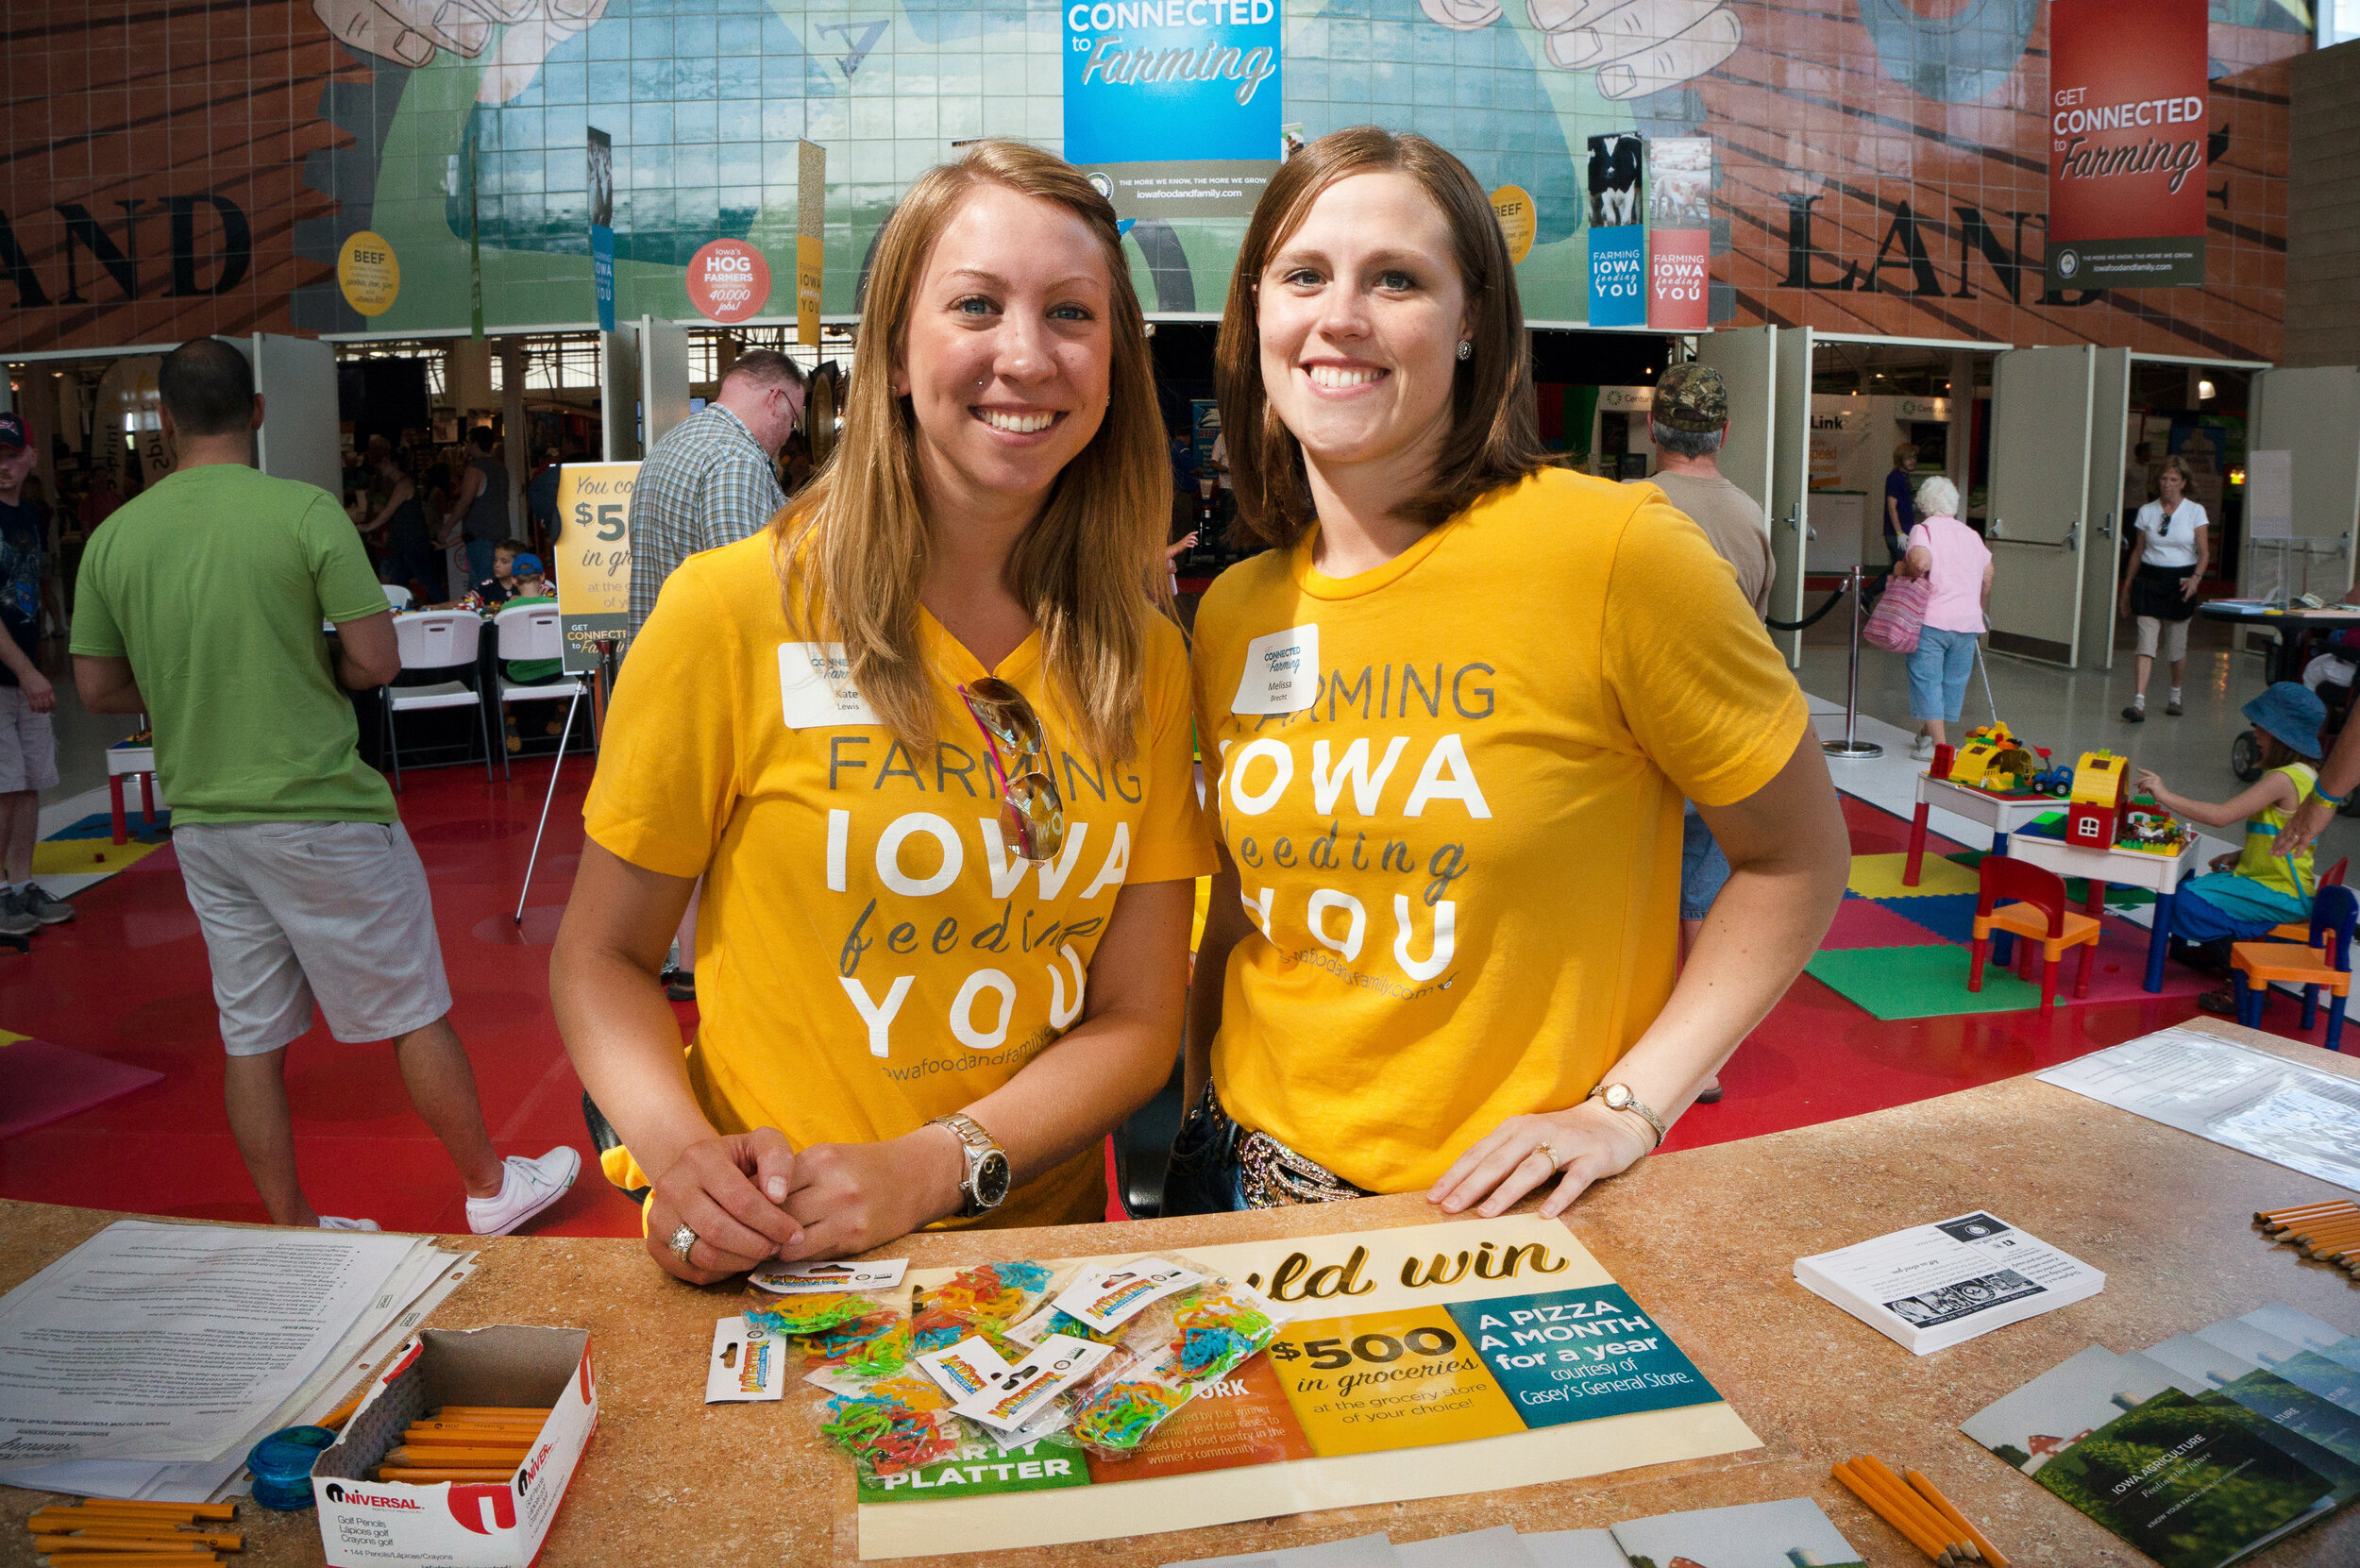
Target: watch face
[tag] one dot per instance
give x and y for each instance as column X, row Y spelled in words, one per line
column 992, row 1180
column 1616, row 1096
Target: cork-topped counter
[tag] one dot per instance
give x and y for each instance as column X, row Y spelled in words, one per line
column 1704, row 1240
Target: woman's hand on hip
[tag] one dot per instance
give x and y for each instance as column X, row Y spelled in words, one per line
column 849, row 1197
column 1584, row 1144
column 732, row 1192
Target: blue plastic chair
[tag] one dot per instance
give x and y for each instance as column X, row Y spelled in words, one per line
column 2334, row 914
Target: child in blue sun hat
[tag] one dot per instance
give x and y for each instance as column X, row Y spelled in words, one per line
column 2254, row 889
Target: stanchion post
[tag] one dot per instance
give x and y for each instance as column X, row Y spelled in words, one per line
column 1849, row 746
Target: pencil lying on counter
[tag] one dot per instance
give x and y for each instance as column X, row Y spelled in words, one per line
column 1915, row 1516
column 2275, row 1219
column 1948, row 1510
column 179, row 1514
column 87, row 1535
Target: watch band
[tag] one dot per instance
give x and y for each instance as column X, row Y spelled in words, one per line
column 979, row 1145
column 1626, row 1100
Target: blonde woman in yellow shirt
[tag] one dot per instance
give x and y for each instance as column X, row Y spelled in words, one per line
column 1455, row 707
column 928, row 744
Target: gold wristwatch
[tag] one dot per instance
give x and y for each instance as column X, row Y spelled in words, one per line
column 1618, row 1097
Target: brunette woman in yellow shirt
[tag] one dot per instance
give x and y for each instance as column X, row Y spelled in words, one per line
column 927, row 741
column 1455, row 707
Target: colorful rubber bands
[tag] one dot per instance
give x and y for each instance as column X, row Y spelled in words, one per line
column 886, row 1435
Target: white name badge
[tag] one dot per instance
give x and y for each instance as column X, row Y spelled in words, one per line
column 1282, row 672
column 815, row 688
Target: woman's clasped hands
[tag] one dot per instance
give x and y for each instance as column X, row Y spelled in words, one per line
column 751, row 1197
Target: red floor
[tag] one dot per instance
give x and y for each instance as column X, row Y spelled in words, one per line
column 127, row 981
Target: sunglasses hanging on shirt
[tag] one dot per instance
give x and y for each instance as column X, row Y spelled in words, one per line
column 1032, row 813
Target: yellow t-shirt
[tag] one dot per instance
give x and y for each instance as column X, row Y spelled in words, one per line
column 1457, row 815
column 869, row 955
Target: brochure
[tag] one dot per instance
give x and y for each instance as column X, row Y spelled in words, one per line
column 2184, row 1478
column 2300, row 1328
column 2333, row 1381
column 1753, row 1535
column 1933, row 1285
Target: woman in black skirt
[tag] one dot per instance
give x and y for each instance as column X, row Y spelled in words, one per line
column 2159, row 588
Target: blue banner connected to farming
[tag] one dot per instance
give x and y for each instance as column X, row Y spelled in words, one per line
column 1174, row 106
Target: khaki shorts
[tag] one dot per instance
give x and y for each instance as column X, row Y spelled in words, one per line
column 297, row 912
column 28, row 749
column 2172, row 634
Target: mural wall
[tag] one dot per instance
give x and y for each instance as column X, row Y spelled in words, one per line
column 1879, row 165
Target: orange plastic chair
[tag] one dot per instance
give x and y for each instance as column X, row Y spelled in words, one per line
column 2300, row 931
column 2044, row 915
column 2323, row 964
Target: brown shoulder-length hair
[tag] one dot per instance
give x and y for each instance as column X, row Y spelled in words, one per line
column 854, row 544
column 1495, row 436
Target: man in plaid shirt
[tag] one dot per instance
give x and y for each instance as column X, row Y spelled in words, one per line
column 709, row 482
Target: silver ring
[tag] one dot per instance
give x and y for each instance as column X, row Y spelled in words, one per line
column 684, row 1240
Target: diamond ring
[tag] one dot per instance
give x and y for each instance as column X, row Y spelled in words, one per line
column 683, row 1240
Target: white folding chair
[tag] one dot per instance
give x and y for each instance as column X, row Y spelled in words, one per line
column 432, row 640
column 537, row 632
column 395, row 597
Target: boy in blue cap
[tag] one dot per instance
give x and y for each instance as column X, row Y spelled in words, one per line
column 2253, row 890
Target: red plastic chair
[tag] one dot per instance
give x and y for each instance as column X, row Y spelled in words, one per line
column 2044, row 915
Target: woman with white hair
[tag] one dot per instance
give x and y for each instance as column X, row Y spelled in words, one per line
column 1957, row 566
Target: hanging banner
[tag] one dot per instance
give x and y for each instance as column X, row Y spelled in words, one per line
column 592, row 557
column 1173, row 106
column 1679, row 215
column 1618, row 248
column 811, row 227
column 1512, row 206
column 602, row 225
column 2128, row 112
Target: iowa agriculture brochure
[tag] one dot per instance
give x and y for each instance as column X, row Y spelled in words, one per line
column 2200, row 1451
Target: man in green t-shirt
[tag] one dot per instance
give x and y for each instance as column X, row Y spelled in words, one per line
column 201, row 605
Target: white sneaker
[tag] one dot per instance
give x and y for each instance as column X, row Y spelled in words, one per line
column 530, row 1187
column 331, row 1222
column 1923, row 750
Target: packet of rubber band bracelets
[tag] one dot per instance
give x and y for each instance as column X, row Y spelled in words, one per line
column 1195, row 1336
column 978, row 1301
column 827, row 1330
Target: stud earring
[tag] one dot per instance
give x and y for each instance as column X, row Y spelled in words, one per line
column 1466, row 349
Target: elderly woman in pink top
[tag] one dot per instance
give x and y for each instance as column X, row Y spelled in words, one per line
column 1953, row 559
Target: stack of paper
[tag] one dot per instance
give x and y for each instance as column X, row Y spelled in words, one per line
column 2203, row 1448
column 1932, row 1286
column 2278, row 1110
column 148, row 1360
column 1753, row 1535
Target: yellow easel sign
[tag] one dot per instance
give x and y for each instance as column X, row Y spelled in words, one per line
column 593, row 557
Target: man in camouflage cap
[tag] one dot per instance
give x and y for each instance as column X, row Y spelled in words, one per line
column 1688, row 422
column 1694, row 400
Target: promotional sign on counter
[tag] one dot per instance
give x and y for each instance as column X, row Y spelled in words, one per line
column 592, row 557
column 1426, row 1362
column 2129, row 110
column 1173, row 106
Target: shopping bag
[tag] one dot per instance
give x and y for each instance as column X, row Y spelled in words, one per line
column 1901, row 611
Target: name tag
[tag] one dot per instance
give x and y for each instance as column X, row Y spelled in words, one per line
column 815, row 688
column 1282, row 672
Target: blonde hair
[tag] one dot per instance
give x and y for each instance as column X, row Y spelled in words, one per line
column 1495, row 436
column 853, row 545
column 2177, row 464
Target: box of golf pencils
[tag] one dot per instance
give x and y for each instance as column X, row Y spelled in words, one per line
column 461, row 1452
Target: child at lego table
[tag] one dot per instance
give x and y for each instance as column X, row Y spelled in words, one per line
column 2250, row 892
